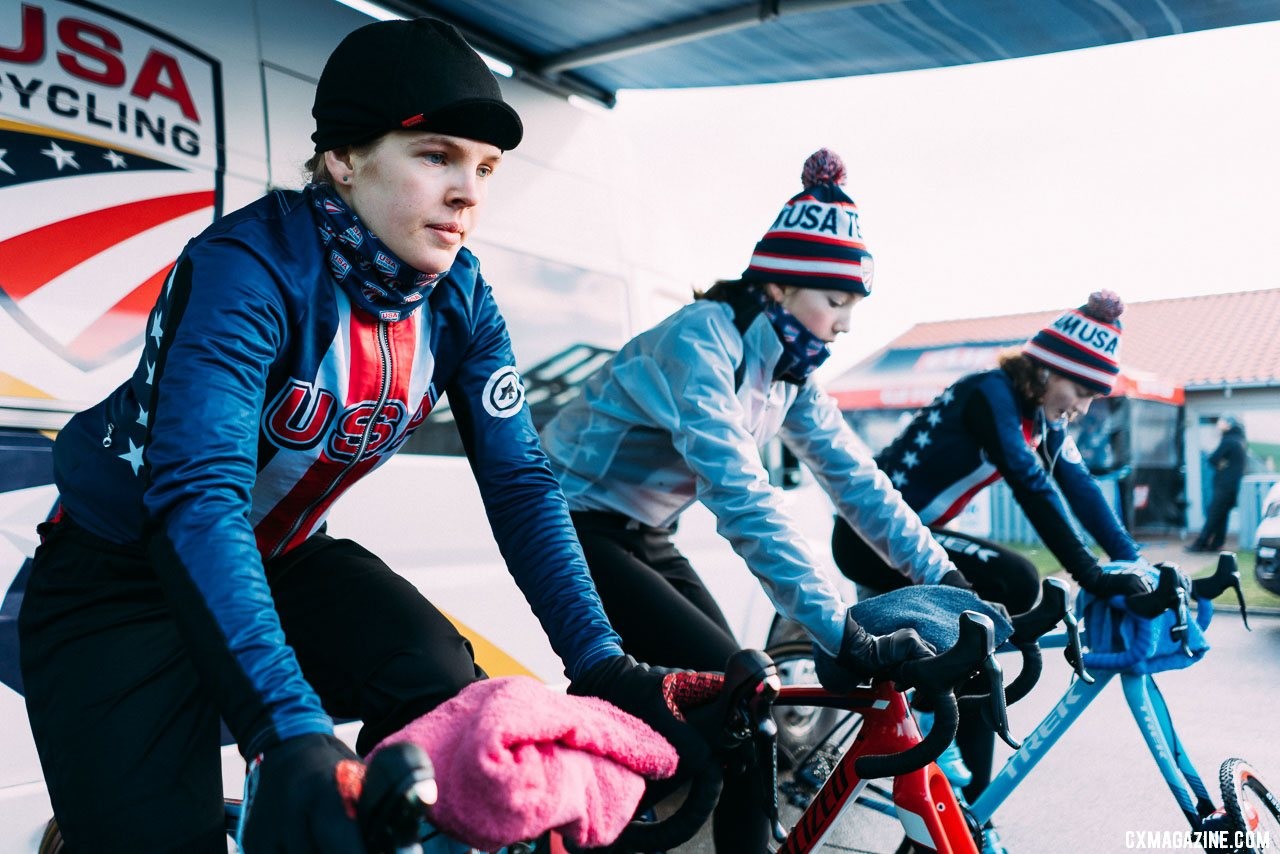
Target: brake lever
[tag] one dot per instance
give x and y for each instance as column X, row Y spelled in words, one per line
column 1074, row 652
column 764, row 735
column 994, row 674
column 1227, row 564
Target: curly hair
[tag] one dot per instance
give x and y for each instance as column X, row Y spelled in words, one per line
column 1030, row 379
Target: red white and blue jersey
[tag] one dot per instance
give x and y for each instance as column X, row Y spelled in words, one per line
column 262, row 394
column 975, row 433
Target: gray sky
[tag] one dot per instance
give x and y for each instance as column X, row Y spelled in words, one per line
column 1152, row 168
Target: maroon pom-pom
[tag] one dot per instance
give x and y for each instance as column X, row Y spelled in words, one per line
column 1105, row 306
column 824, row 166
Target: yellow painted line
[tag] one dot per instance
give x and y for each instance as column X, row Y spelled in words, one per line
column 55, row 133
column 494, row 661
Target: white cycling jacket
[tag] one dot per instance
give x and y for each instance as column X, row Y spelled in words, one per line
column 662, row 425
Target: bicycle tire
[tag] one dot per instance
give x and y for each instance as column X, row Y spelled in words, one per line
column 871, row 829
column 799, row 729
column 1251, row 806
column 51, row 840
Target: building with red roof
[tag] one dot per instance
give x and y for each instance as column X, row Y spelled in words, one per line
column 1185, row 362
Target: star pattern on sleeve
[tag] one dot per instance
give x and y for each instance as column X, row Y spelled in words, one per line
column 922, row 439
column 133, row 457
column 910, row 459
column 899, row 479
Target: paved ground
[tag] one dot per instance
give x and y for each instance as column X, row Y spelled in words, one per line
column 1099, row 785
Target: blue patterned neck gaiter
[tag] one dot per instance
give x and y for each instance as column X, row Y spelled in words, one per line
column 370, row 273
column 802, row 351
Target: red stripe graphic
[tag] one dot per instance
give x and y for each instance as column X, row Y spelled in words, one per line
column 30, row 260
column 815, row 238
column 122, row 321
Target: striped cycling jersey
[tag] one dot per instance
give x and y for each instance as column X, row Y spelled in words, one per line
column 262, row 394
column 975, row 433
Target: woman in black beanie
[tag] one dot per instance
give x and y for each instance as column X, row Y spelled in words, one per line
column 187, row 575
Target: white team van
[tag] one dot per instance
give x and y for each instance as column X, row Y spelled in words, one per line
column 123, row 132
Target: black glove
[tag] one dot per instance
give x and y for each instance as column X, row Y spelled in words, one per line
column 637, row 689
column 296, row 805
column 1104, row 585
column 866, row 656
column 953, row 578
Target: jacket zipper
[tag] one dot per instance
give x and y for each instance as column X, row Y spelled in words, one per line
column 384, row 354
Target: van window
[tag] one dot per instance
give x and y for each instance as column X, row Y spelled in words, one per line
column 565, row 323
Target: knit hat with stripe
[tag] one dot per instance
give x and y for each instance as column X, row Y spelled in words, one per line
column 815, row 242
column 1084, row 343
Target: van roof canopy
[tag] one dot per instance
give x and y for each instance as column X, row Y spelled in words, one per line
column 598, row 48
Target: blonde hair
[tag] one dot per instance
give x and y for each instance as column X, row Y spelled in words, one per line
column 317, row 171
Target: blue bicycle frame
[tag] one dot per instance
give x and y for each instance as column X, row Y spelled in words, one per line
column 1148, row 708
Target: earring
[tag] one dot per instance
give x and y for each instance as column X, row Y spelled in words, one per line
column 346, row 179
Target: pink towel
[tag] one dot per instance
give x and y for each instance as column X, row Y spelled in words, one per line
column 514, row 759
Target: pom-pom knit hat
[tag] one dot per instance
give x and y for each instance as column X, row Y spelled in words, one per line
column 815, row 242
column 1084, row 343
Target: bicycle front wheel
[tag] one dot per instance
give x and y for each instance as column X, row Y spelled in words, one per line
column 1254, row 809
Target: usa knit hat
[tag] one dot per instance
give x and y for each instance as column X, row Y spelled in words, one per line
column 815, row 242
column 418, row 73
column 1084, row 343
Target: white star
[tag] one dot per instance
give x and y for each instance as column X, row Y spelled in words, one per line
column 922, row 439
column 588, row 452
column 142, row 415
column 910, row 460
column 134, row 457
column 947, row 396
column 156, row 329
column 934, row 417
column 899, row 479
column 61, row 157
column 116, row 161
column 151, row 373
column 5, row 167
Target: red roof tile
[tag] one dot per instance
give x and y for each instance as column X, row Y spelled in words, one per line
column 1211, row 340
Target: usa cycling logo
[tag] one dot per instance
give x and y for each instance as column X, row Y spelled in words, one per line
column 302, row 416
column 385, row 264
column 503, row 393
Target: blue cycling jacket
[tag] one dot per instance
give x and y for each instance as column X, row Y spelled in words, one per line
column 262, row 394
column 976, row 432
column 665, row 424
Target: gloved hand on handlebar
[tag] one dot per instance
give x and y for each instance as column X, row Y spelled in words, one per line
column 638, row 690
column 866, row 656
column 294, row 798
column 1104, row 585
column 953, row 578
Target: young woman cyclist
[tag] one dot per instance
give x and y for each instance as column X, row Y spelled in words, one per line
column 1010, row 422
column 680, row 414
column 296, row 344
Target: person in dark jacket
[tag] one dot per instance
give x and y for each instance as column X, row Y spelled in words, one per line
column 1228, row 464
column 1010, row 423
column 187, row 575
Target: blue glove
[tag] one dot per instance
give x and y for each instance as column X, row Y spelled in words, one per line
column 294, row 801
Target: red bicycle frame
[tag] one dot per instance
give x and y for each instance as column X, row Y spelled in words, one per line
column 926, row 805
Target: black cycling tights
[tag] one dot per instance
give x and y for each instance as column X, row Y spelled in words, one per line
column 997, row 575
column 667, row 617
column 126, row 730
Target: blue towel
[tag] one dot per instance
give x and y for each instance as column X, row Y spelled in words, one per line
column 1120, row 640
column 933, row 610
